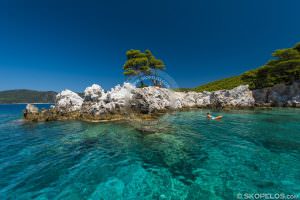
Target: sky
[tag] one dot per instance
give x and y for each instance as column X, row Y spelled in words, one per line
column 54, row 45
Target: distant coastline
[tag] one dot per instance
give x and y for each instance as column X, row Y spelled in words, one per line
column 23, row 96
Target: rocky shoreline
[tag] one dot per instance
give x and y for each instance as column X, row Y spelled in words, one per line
column 127, row 102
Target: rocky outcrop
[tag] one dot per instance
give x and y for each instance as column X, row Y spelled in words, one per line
column 278, row 95
column 68, row 101
column 31, row 112
column 122, row 102
column 192, row 99
column 31, row 108
column 151, row 99
column 100, row 105
column 240, row 96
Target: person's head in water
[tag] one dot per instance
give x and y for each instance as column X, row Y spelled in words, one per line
column 208, row 115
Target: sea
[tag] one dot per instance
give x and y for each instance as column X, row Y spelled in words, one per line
column 248, row 154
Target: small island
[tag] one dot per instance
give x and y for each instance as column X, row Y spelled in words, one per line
column 275, row 84
column 149, row 100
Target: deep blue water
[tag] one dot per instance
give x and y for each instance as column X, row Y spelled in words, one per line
column 189, row 157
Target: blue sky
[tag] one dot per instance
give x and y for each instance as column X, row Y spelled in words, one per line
column 53, row 45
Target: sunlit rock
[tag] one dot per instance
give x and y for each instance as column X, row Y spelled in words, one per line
column 240, row 96
column 102, row 105
column 124, row 101
column 93, row 93
column 68, row 101
column 30, row 108
column 151, row 99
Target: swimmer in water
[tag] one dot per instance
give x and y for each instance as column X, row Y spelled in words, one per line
column 209, row 116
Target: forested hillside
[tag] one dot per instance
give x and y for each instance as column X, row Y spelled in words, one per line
column 27, row 96
column 283, row 68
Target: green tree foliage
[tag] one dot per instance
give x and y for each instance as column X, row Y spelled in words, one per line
column 154, row 63
column 140, row 63
column 136, row 64
column 285, row 68
column 223, row 84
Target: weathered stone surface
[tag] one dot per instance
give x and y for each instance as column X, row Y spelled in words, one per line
column 125, row 101
column 151, row 99
column 31, row 112
column 278, row 95
column 31, row 108
column 103, row 106
column 68, row 101
column 240, row 96
column 192, row 99
column 93, row 93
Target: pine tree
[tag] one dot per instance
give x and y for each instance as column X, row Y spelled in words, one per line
column 155, row 65
column 139, row 64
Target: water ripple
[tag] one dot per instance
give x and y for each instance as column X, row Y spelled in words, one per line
column 193, row 158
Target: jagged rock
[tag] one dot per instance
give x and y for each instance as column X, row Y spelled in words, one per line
column 68, row 101
column 122, row 102
column 188, row 100
column 31, row 108
column 240, row 96
column 151, row 99
column 193, row 99
column 203, row 99
column 295, row 101
column 93, row 93
column 278, row 95
column 101, row 105
column 31, row 112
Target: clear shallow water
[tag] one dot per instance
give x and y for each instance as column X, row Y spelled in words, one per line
column 190, row 158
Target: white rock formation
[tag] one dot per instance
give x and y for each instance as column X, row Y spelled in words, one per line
column 68, row 101
column 124, row 100
column 121, row 95
column 31, row 108
column 192, row 99
column 151, row 99
column 127, row 98
column 239, row 96
column 93, row 93
column 97, row 102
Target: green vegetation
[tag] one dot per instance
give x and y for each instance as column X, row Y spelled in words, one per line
column 226, row 83
column 27, row 96
column 142, row 63
column 284, row 68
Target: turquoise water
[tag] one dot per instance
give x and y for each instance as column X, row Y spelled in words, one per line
column 189, row 158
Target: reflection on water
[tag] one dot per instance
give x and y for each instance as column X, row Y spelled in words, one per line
column 185, row 157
